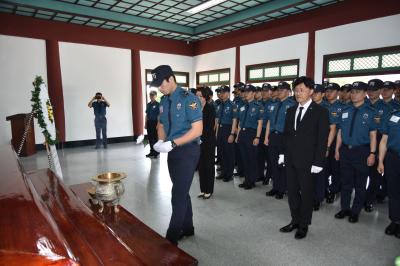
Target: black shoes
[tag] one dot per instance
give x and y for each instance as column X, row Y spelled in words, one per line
column 244, row 184
column 301, row 233
column 353, row 218
column 227, row 179
column 368, row 208
column 289, row 228
column 317, row 205
column 342, row 214
column 392, row 229
column 149, row 155
column 330, row 198
column 219, row 177
column 249, row 186
column 186, row 233
column 271, row 193
column 279, row 195
column 238, row 174
column 152, row 155
column 266, row 181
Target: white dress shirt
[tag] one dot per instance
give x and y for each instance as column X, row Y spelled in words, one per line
column 305, row 107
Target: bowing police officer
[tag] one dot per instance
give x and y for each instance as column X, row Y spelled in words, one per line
column 275, row 142
column 226, row 118
column 356, row 149
column 389, row 161
column 179, row 128
column 152, row 112
column 249, row 132
column 382, row 111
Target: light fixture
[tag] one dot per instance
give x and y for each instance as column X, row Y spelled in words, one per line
column 204, row 6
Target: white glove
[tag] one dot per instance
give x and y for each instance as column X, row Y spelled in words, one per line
column 165, row 147
column 157, row 145
column 315, row 169
column 281, row 159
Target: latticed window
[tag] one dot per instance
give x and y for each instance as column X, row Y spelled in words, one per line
column 275, row 71
column 367, row 62
column 182, row 78
column 213, row 77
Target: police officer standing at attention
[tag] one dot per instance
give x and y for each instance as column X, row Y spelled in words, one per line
column 226, row 131
column 99, row 104
column 239, row 101
column 387, row 95
column 389, row 161
column 275, row 142
column 397, row 91
column 344, row 94
column 356, row 149
column 152, row 112
column 179, row 128
column 249, row 132
column 382, row 111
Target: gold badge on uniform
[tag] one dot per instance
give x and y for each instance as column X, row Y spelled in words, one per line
column 193, row 105
column 334, row 114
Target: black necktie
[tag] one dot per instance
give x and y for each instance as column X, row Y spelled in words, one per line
column 353, row 120
column 277, row 112
column 245, row 114
column 222, row 111
column 298, row 119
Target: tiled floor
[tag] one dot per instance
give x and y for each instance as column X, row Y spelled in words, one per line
column 234, row 227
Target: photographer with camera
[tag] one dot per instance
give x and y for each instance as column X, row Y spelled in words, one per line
column 99, row 104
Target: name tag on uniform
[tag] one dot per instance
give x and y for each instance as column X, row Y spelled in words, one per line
column 394, row 119
column 345, row 115
column 154, row 106
column 242, row 108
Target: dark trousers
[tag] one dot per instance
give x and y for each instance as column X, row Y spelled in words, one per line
column 321, row 183
column 373, row 188
column 300, row 184
column 182, row 162
column 100, row 123
column 248, row 153
column 228, row 150
column 278, row 173
column 152, row 134
column 238, row 158
column 354, row 173
column 392, row 172
column 261, row 156
column 332, row 170
column 206, row 167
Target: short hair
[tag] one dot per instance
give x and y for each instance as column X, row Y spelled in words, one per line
column 153, row 93
column 99, row 93
column 308, row 82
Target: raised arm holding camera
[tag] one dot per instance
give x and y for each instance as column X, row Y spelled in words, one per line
column 99, row 104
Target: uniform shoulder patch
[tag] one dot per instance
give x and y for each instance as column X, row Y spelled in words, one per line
column 193, row 105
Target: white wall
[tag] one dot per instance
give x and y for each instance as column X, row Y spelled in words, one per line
column 86, row 69
column 21, row 59
column 375, row 33
column 215, row 60
column 286, row 48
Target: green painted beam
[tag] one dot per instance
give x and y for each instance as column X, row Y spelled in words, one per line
column 103, row 14
column 247, row 14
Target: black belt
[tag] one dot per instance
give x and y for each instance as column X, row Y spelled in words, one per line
column 276, row 132
column 354, row 147
column 225, row 125
column 248, row 129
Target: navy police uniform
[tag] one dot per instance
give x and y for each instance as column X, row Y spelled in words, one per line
column 226, row 114
column 100, row 122
column 355, row 125
column 239, row 102
column 249, row 115
column 177, row 113
column 277, row 119
column 152, row 112
column 391, row 128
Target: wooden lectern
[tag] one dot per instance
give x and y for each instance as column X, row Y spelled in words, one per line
column 18, row 122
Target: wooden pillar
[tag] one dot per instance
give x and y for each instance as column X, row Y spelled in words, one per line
column 310, row 71
column 55, row 86
column 237, row 65
column 137, row 96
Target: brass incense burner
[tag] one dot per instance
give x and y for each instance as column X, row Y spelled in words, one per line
column 108, row 190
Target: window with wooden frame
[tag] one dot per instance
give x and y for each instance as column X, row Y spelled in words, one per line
column 379, row 61
column 216, row 77
column 273, row 71
column 182, row 78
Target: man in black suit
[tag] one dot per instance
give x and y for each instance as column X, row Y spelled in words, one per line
column 305, row 134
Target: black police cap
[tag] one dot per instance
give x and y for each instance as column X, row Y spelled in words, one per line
column 397, row 83
column 389, row 85
column 239, row 85
column 346, row 87
column 360, row 86
column 159, row 74
column 319, row 88
column 332, row 86
column 218, row 90
column 258, row 88
column 249, row 87
column 266, row 87
column 283, row 85
column 375, row 84
column 225, row 88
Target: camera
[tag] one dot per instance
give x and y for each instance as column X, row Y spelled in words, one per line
column 98, row 97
